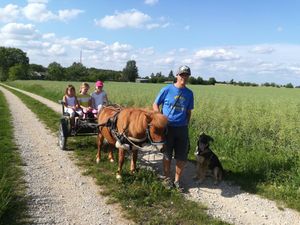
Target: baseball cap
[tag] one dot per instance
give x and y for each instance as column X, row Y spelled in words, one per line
column 184, row 70
column 99, row 83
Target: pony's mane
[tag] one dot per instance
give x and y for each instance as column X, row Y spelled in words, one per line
column 159, row 120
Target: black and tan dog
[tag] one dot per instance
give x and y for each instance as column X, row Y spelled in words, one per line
column 207, row 160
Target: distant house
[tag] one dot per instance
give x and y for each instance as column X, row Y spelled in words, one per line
column 142, row 80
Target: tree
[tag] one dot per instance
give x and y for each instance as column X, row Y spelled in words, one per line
column 17, row 72
column 101, row 74
column 76, row 72
column 289, row 85
column 212, row 81
column 37, row 68
column 193, row 80
column 171, row 76
column 200, row 80
column 266, row 84
column 36, row 71
column 10, row 57
column 55, row 72
column 130, row 72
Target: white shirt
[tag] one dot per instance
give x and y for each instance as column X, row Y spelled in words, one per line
column 70, row 101
column 99, row 99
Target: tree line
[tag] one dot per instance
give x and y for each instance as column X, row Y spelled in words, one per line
column 14, row 65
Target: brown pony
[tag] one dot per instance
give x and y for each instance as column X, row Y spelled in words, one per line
column 128, row 128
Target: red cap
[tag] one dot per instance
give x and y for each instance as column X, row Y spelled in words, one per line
column 99, row 83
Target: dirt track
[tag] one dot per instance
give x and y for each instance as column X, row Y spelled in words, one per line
column 63, row 184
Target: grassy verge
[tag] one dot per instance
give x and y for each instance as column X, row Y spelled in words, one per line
column 142, row 196
column 12, row 188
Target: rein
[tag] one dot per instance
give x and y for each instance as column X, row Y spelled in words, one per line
column 132, row 143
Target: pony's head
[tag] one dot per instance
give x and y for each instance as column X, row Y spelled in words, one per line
column 156, row 128
column 143, row 125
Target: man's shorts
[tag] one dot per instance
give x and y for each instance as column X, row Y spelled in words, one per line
column 177, row 141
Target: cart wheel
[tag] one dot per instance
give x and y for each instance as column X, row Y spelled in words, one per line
column 62, row 134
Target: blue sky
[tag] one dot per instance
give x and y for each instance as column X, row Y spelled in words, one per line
column 255, row 41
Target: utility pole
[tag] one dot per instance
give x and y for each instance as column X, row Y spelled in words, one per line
column 80, row 56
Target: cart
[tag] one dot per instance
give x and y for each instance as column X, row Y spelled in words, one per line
column 87, row 126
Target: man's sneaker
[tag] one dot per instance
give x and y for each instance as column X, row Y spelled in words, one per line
column 177, row 186
column 167, row 182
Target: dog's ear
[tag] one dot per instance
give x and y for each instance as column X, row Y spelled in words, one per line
column 201, row 134
column 210, row 138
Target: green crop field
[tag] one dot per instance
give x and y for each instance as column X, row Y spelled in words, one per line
column 256, row 129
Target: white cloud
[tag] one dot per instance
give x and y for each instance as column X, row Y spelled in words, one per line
column 132, row 18
column 165, row 61
column 187, row 61
column 165, row 25
column 57, row 49
column 86, row 44
column 18, row 31
column 151, row 2
column 262, row 50
column 181, row 50
column 120, row 47
column 9, row 13
column 38, row 1
column 37, row 11
column 216, row 55
column 146, row 51
column 295, row 69
column 68, row 14
column 224, row 67
column 152, row 26
column 48, row 36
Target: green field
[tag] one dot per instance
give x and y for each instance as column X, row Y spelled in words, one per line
column 256, row 129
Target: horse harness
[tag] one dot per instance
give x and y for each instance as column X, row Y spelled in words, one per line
column 123, row 138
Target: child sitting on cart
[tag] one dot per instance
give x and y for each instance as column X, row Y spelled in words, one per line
column 85, row 101
column 99, row 97
column 71, row 104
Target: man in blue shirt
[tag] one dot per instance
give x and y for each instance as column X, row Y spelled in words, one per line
column 177, row 102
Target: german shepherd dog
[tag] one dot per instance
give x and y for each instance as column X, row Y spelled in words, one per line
column 207, row 160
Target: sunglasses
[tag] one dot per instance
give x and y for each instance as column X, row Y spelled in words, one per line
column 183, row 75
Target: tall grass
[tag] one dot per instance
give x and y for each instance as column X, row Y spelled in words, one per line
column 256, row 129
column 257, row 135
column 12, row 190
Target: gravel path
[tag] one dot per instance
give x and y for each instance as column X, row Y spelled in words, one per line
column 59, row 193
column 224, row 201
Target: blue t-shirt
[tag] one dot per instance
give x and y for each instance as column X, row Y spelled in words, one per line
column 177, row 114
